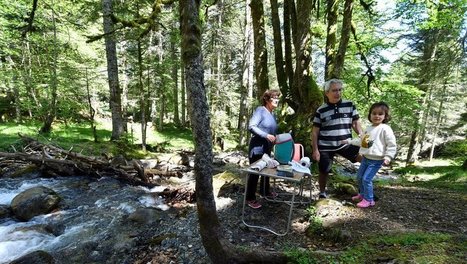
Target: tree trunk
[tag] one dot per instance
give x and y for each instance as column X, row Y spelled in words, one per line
column 289, row 16
column 112, row 71
column 27, row 75
column 331, row 38
column 183, row 96
column 173, row 52
column 192, row 57
column 52, row 107
column 278, row 57
column 438, row 120
column 92, row 112
column 18, row 117
column 304, row 92
column 344, row 40
column 246, row 89
column 260, row 53
column 219, row 249
column 142, row 99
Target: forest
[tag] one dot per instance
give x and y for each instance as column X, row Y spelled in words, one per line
column 139, row 67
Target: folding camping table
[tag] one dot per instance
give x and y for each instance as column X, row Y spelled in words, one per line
column 298, row 180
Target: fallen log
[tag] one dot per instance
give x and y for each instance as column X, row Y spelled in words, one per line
column 55, row 161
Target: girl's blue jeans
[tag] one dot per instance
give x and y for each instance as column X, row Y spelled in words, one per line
column 366, row 173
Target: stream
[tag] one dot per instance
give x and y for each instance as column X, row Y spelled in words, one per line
column 94, row 223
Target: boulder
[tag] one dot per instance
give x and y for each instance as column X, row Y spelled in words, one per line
column 36, row 257
column 35, row 201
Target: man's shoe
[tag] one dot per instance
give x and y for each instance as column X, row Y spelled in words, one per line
column 357, row 198
column 323, row 195
column 254, row 204
column 364, row 204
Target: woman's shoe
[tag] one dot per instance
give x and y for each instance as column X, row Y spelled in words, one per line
column 357, row 198
column 364, row 204
column 272, row 195
column 254, row 204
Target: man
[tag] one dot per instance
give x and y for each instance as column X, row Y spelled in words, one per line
column 333, row 123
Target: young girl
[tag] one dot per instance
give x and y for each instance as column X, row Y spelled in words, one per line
column 378, row 147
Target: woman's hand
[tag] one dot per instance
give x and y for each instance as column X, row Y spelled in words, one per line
column 271, row 138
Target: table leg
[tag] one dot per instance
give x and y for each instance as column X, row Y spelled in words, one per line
column 263, row 227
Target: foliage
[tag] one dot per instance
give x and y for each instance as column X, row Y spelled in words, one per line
column 456, row 150
column 451, row 177
column 298, row 256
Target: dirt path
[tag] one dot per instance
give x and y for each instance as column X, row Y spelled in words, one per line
column 398, row 209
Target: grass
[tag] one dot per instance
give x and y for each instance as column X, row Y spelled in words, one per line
column 79, row 138
column 441, row 176
column 412, row 247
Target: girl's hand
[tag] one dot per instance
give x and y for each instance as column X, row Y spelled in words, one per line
column 271, row 138
column 386, row 162
column 345, row 141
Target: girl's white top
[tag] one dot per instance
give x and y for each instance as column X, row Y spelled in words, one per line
column 377, row 142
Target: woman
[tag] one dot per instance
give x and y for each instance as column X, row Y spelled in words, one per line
column 263, row 127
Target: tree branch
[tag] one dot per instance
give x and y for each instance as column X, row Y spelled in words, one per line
column 30, row 19
column 369, row 72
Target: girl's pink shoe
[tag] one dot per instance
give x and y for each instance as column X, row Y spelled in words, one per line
column 357, row 198
column 364, row 204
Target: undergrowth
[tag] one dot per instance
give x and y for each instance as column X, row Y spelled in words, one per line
column 413, row 247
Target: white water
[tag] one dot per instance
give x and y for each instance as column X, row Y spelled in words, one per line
column 92, row 211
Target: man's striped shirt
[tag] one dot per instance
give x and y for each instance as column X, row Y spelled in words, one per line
column 335, row 124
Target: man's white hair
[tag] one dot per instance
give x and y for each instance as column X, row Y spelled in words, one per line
column 327, row 84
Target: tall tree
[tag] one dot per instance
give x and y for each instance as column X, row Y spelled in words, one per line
column 260, row 52
column 278, row 54
column 52, row 107
column 302, row 94
column 246, row 89
column 112, row 71
column 220, row 250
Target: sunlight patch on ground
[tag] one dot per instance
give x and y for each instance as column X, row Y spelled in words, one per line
column 433, row 163
column 223, row 202
column 423, row 177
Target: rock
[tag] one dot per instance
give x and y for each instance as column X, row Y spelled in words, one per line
column 36, row 257
column 321, row 203
column 145, row 216
column 27, row 170
column 149, row 163
column 119, row 161
column 228, row 189
column 345, row 189
column 4, row 211
column 35, row 201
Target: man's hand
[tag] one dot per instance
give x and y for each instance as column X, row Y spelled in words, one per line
column 315, row 155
